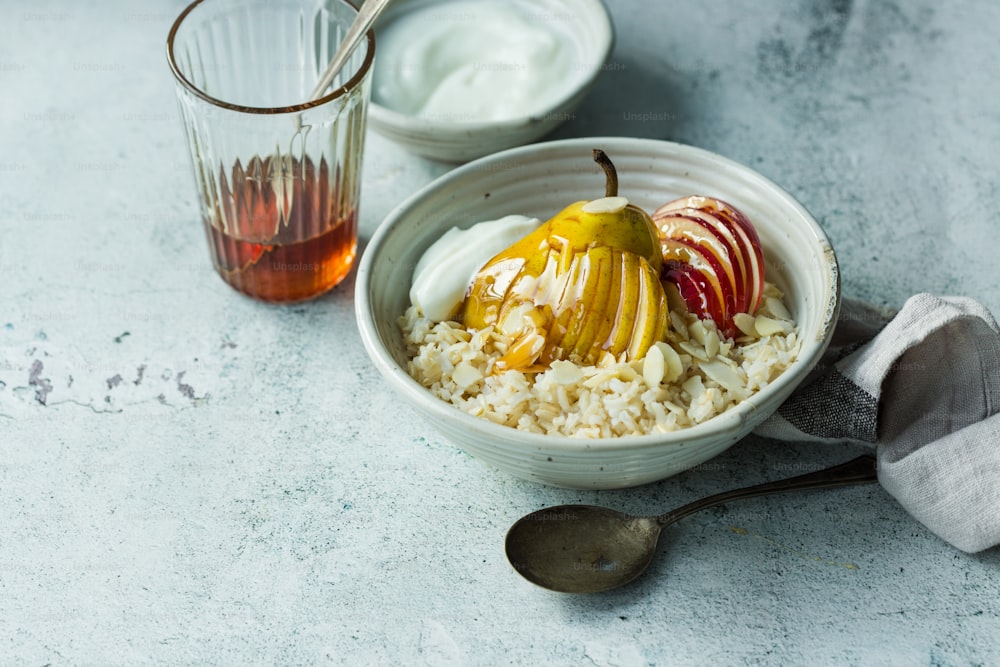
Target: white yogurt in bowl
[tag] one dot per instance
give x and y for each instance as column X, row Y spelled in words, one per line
column 444, row 272
column 465, row 61
column 459, row 79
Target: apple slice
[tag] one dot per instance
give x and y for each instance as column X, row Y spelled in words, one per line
column 701, row 229
column 691, row 241
column 700, row 279
column 732, row 220
column 713, row 255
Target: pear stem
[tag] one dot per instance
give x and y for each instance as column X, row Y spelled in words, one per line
column 610, row 174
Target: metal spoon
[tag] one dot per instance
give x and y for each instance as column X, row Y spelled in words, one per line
column 588, row 549
column 355, row 33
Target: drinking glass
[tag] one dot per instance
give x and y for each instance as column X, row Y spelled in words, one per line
column 278, row 174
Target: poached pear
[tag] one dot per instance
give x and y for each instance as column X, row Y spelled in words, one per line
column 583, row 284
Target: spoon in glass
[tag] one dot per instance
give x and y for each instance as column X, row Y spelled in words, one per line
column 588, row 549
column 364, row 20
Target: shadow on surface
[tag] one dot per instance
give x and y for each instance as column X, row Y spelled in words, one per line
column 629, row 98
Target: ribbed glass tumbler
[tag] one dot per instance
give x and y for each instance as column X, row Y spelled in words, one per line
column 278, row 174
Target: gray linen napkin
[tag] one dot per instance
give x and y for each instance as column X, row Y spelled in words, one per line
column 923, row 386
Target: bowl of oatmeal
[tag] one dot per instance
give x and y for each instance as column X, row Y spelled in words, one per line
column 621, row 416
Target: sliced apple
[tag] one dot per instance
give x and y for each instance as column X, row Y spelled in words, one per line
column 699, row 259
column 713, row 255
column 696, row 280
column 749, row 244
column 698, row 228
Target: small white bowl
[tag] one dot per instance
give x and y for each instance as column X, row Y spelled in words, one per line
column 587, row 22
column 539, row 180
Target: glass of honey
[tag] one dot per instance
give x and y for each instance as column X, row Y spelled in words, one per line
column 277, row 172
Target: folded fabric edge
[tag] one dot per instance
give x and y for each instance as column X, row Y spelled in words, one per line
column 952, row 485
column 921, row 315
column 933, row 486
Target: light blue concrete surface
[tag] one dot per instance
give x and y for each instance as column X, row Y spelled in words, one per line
column 189, row 477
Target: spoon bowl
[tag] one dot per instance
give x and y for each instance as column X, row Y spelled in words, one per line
column 582, row 548
column 589, row 549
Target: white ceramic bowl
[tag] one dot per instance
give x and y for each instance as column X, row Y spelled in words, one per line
column 539, row 180
column 589, row 25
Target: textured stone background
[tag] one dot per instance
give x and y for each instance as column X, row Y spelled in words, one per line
column 190, row 477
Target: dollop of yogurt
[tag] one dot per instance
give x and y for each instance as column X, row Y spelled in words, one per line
column 472, row 60
column 445, row 270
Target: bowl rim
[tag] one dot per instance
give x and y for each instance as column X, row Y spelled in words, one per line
column 381, row 114
column 732, row 419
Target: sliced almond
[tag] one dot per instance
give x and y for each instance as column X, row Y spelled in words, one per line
column 777, row 308
column 606, row 205
column 698, row 331
column 770, row 289
column 600, row 377
column 679, row 325
column 712, row 343
column 767, row 326
column 514, row 322
column 694, row 386
column 606, row 360
column 523, row 352
column 627, row 374
column 653, row 366
column 673, row 368
column 745, row 323
column 566, row 372
column 465, row 375
column 694, row 350
column 725, row 375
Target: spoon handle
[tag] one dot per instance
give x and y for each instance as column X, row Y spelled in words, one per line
column 861, row 470
column 355, row 33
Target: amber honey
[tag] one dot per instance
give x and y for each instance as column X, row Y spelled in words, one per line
column 278, row 235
